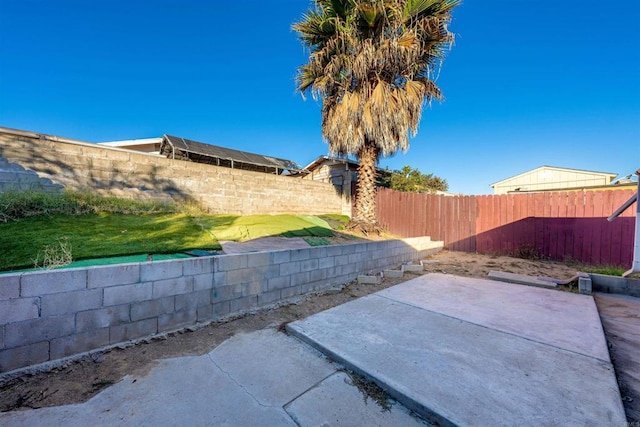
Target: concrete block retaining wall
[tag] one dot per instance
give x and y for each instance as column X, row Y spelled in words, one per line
column 54, row 314
column 615, row 285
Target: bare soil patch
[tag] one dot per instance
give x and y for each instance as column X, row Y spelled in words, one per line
column 80, row 380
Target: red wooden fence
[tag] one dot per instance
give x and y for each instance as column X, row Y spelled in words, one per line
column 556, row 225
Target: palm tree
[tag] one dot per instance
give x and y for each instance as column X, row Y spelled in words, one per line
column 372, row 64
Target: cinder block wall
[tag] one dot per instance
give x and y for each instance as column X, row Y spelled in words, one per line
column 54, row 314
column 125, row 173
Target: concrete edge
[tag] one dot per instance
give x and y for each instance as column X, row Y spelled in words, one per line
column 520, row 279
column 393, row 390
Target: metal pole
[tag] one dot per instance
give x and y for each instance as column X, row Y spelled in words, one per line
column 623, row 208
column 635, row 267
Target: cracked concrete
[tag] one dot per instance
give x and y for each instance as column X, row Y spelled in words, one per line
column 268, row 373
column 239, row 385
column 260, row 378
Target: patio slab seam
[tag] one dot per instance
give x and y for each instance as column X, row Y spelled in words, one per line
column 491, row 328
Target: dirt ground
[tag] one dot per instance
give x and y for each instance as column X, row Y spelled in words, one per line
column 80, row 380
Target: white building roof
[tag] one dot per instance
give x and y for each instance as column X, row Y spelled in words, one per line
column 610, row 175
column 130, row 142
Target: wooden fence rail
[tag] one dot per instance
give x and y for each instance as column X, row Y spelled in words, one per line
column 555, row 225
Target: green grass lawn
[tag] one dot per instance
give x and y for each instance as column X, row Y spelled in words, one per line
column 255, row 226
column 24, row 240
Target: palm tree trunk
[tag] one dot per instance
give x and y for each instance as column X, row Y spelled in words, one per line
column 364, row 215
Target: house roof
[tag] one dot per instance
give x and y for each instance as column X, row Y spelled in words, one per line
column 171, row 143
column 346, row 161
column 609, row 174
column 322, row 159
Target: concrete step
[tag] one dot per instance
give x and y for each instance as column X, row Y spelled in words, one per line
column 434, row 247
column 436, row 244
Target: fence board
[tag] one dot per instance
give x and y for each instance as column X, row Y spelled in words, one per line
column 538, row 214
column 596, row 229
column 569, row 235
column 607, row 227
column 579, row 232
column 620, row 245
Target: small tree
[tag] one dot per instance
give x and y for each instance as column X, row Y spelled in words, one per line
column 412, row 180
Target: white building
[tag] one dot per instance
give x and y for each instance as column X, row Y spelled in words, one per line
column 550, row 178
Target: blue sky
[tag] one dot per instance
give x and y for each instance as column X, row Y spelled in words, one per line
column 528, row 83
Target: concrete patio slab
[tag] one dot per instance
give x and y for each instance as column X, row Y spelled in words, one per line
column 246, row 381
column 559, row 319
column 178, row 392
column 435, row 350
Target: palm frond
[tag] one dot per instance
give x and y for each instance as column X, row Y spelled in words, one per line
column 305, row 78
column 315, row 28
column 369, row 14
column 414, row 9
column 373, row 64
column 341, row 8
